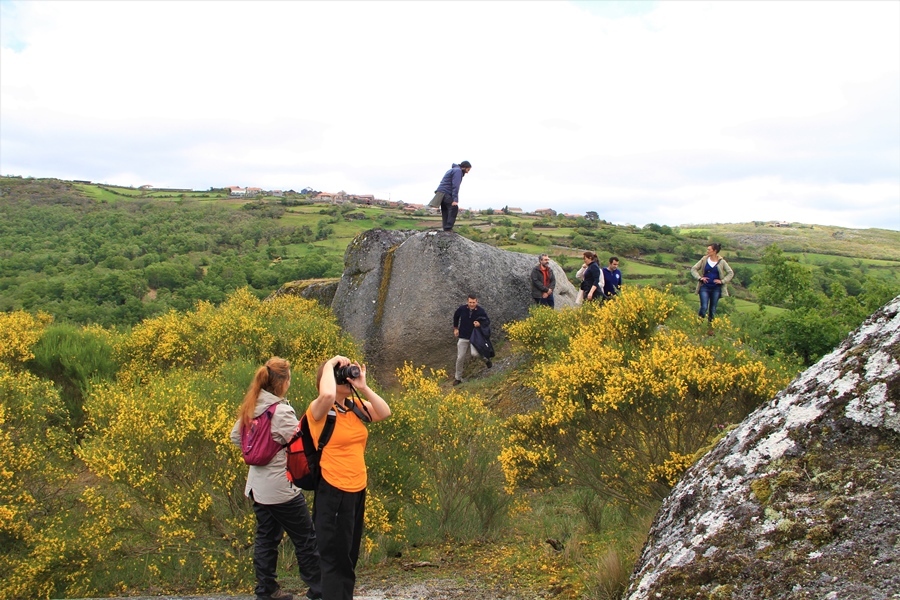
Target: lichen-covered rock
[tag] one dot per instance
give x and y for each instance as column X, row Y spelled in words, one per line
column 802, row 499
column 399, row 290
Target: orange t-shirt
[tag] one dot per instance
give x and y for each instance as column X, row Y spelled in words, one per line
column 342, row 462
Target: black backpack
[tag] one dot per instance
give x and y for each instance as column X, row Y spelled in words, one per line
column 303, row 455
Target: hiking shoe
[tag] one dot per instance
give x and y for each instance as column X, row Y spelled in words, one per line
column 457, row 381
column 488, row 364
column 313, row 595
column 278, row 594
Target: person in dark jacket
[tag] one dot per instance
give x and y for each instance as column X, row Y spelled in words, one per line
column 466, row 318
column 481, row 341
column 592, row 284
column 449, row 191
column 543, row 282
column 612, row 277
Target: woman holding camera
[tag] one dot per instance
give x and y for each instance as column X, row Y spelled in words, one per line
column 279, row 506
column 338, row 509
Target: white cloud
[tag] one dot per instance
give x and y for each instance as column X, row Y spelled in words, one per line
column 648, row 111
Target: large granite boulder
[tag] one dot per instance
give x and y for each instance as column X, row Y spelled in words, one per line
column 802, row 499
column 400, row 289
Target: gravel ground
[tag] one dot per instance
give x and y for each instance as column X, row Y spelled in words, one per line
column 437, row 589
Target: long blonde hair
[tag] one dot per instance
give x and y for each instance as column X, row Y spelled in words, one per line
column 274, row 377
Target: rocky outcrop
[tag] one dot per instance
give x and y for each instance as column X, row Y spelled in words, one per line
column 321, row 290
column 802, row 499
column 400, row 288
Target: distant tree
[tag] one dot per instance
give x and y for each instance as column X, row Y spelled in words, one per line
column 743, row 274
column 784, row 281
column 592, row 215
column 323, row 230
column 578, row 241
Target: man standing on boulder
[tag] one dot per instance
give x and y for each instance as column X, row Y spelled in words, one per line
column 465, row 319
column 543, row 281
column 447, row 193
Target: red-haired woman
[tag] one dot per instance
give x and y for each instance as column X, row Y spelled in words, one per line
column 341, row 491
column 279, row 506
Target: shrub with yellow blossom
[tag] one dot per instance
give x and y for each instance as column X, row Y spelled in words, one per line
column 243, row 327
column 638, row 389
column 160, row 499
column 434, row 461
column 19, row 332
column 164, row 447
column 36, row 462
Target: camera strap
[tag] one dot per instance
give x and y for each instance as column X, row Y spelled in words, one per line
column 359, row 409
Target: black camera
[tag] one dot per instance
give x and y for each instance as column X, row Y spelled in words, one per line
column 343, row 374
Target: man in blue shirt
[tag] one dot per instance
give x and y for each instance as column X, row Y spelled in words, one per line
column 612, row 278
column 449, row 191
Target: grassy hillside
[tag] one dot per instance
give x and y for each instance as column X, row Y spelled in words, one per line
column 116, row 255
column 101, row 254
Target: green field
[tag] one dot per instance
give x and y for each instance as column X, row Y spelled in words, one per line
column 117, row 254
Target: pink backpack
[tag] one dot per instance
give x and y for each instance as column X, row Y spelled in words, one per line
column 257, row 445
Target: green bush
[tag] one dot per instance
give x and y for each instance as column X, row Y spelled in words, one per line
column 73, row 357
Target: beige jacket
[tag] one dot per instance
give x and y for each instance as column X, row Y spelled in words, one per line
column 269, row 483
column 722, row 266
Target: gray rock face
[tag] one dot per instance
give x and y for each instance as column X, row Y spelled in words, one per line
column 400, row 289
column 802, row 500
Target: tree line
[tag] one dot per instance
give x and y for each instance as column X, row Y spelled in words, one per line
column 117, row 263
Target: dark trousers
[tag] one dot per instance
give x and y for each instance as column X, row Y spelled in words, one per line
column 339, row 517
column 272, row 521
column 548, row 301
column 448, row 213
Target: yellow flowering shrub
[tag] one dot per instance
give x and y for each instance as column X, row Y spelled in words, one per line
column 160, row 502
column 638, row 389
column 19, row 332
column 164, row 445
column 434, row 462
column 35, row 467
column 545, row 331
column 242, row 327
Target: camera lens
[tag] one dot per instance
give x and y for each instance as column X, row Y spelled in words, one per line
column 342, row 374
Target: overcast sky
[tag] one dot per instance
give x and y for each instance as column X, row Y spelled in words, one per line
column 646, row 112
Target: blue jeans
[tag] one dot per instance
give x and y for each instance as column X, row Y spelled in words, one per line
column 709, row 298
